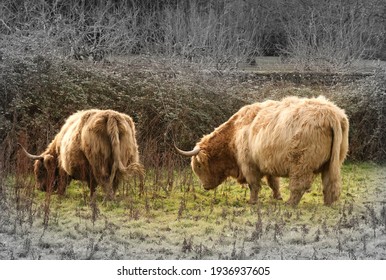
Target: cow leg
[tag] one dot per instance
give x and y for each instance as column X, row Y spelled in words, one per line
column 331, row 187
column 92, row 184
column 112, row 182
column 108, row 190
column 254, row 189
column 252, row 177
column 298, row 185
column 115, row 184
column 141, row 184
column 64, row 181
column 274, row 184
column 104, row 178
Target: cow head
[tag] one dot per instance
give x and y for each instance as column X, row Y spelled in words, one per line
column 208, row 169
column 45, row 170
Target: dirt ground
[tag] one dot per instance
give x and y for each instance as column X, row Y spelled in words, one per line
column 353, row 229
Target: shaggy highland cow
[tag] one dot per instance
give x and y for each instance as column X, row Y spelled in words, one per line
column 96, row 146
column 296, row 138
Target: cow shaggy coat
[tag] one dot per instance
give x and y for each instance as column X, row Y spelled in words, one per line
column 96, row 146
column 296, row 138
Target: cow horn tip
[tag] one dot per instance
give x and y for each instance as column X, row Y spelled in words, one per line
column 191, row 153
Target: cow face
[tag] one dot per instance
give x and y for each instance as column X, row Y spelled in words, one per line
column 45, row 172
column 207, row 170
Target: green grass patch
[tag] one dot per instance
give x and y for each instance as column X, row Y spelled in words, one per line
column 194, row 203
column 185, row 221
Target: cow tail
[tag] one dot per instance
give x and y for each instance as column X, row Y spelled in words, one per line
column 113, row 131
column 331, row 176
column 136, row 168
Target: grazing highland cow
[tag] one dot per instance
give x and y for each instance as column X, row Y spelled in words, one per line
column 296, row 138
column 96, row 146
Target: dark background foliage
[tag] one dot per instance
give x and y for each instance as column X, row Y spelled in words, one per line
column 315, row 34
column 175, row 66
column 169, row 106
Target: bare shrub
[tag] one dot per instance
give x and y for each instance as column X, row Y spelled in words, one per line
column 366, row 104
column 221, row 34
column 171, row 104
column 316, row 35
column 331, row 35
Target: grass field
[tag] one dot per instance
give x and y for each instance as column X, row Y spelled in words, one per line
column 183, row 221
column 180, row 69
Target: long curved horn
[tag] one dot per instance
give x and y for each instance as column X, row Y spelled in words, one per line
column 194, row 152
column 30, row 155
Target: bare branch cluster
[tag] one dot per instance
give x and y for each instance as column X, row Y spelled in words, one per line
column 314, row 34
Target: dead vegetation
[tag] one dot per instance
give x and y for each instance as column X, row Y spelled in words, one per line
column 178, row 84
column 175, row 219
column 189, row 223
column 170, row 103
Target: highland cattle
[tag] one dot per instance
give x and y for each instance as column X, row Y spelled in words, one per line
column 296, row 138
column 95, row 146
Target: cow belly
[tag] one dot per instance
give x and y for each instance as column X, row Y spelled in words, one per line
column 76, row 165
column 283, row 155
column 274, row 164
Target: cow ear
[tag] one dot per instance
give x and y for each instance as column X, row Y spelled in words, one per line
column 38, row 164
column 49, row 162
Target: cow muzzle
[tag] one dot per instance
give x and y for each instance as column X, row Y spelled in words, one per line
column 209, row 186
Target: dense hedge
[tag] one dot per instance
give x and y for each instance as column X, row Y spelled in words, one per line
column 170, row 103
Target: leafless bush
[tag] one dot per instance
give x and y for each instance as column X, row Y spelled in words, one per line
column 219, row 34
column 170, row 104
column 365, row 104
column 326, row 35
column 331, row 35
